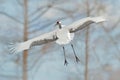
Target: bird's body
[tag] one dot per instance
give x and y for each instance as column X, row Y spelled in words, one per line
column 62, row 36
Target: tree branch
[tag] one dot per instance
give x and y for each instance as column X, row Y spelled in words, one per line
column 20, row 3
column 38, row 17
column 116, row 24
column 112, row 40
column 11, row 17
column 47, row 24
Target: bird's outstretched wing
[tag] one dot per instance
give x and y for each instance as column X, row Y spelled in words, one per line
column 80, row 24
column 42, row 39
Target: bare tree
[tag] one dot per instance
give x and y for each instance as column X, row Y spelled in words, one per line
column 87, row 41
column 25, row 53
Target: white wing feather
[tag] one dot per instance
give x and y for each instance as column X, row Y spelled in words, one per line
column 51, row 36
column 45, row 38
column 80, row 24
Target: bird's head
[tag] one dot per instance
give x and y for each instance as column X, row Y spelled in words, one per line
column 58, row 23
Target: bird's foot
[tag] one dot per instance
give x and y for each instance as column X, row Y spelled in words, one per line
column 77, row 59
column 66, row 62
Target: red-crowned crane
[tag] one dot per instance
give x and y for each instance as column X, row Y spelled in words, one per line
column 62, row 36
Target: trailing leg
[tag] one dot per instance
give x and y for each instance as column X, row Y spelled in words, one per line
column 65, row 61
column 77, row 59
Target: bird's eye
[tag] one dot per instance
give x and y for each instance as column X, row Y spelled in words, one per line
column 57, row 22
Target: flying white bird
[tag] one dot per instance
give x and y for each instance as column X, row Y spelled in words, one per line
column 62, row 36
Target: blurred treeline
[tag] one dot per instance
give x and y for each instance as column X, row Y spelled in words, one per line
column 97, row 46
